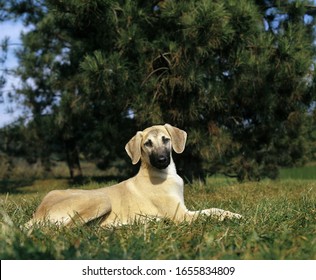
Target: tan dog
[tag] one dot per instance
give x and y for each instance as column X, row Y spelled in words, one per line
column 155, row 192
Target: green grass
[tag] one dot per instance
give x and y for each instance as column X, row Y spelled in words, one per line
column 303, row 173
column 279, row 223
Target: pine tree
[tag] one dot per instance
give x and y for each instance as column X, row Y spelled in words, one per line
column 86, row 113
column 237, row 86
column 238, row 76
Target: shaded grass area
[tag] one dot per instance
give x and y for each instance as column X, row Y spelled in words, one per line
column 279, row 223
column 301, row 173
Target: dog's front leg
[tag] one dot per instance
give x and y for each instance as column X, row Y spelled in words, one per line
column 214, row 212
column 220, row 214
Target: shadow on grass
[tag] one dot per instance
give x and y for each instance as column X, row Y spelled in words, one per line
column 14, row 185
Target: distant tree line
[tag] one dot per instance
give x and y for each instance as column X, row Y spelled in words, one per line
column 238, row 76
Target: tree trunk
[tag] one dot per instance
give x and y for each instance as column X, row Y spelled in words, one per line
column 73, row 162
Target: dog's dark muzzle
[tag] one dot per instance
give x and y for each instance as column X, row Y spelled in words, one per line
column 160, row 160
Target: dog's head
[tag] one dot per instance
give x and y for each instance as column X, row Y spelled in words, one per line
column 154, row 145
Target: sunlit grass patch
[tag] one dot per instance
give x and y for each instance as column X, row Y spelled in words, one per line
column 279, row 223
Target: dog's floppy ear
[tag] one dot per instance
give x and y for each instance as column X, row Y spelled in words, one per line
column 133, row 147
column 178, row 138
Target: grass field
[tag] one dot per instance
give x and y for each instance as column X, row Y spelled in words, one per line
column 304, row 173
column 279, row 223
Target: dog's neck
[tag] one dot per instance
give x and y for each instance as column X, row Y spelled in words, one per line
column 148, row 170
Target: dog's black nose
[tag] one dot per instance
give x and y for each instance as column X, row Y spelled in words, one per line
column 162, row 159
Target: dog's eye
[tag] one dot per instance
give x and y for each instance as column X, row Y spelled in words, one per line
column 165, row 140
column 148, row 143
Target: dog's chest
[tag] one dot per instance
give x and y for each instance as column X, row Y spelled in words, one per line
column 170, row 188
column 153, row 187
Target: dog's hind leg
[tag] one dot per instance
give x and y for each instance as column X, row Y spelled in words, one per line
column 65, row 206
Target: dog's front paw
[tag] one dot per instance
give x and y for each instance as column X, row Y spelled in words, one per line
column 229, row 215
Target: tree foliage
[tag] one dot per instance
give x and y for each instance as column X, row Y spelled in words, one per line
column 238, row 76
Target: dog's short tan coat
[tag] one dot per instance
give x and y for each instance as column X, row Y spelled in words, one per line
column 155, row 192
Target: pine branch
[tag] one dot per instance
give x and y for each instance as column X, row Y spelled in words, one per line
column 310, row 9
